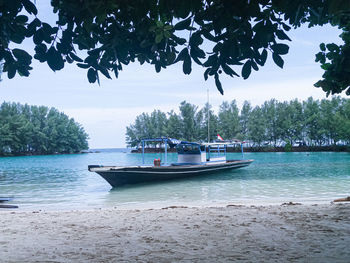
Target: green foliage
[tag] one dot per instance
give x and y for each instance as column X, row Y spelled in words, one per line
column 113, row 34
column 28, row 129
column 288, row 147
column 228, row 117
column 281, row 124
column 335, row 59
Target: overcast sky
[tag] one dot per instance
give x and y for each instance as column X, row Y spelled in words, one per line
column 106, row 110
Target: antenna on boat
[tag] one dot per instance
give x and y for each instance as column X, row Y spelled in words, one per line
column 208, row 113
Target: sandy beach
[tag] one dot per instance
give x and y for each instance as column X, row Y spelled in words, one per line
column 277, row 233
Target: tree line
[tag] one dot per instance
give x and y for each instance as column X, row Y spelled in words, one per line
column 26, row 130
column 309, row 123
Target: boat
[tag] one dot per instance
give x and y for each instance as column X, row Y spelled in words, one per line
column 193, row 159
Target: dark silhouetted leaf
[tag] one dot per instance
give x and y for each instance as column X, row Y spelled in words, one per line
column 280, row 49
column 206, row 73
column 75, row 57
column 218, row 84
column 98, row 78
column 30, row 7
column 11, row 72
column 278, row 60
column 178, row 40
column 332, row 47
column 187, row 65
column 21, row 19
column 263, row 57
column 281, row 35
column 183, row 24
column 157, row 67
column 54, row 59
column 81, row 65
column 91, row 74
column 38, row 37
column 181, row 55
column 17, row 37
column 196, row 39
column 32, row 27
column 69, row 59
column 22, row 55
column 254, row 66
column 246, row 70
column 228, row 70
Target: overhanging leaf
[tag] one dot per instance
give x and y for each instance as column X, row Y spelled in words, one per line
column 228, row 70
column 183, row 24
column 206, row 73
column 218, row 84
column 81, row 65
column 29, row 7
column 281, row 35
column 263, row 57
column 22, row 55
column 181, row 55
column 75, row 57
column 277, row 59
column 91, row 74
column 54, row 59
column 187, row 65
column 280, row 49
column 246, row 70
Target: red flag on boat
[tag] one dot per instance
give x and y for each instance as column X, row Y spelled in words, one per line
column 220, row 138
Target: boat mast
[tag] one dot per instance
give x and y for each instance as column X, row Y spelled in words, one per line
column 208, row 113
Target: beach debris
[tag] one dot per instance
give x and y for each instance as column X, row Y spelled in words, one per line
column 231, row 205
column 346, row 199
column 291, row 203
column 174, row 206
column 8, row 206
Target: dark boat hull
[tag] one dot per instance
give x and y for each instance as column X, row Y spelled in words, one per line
column 117, row 176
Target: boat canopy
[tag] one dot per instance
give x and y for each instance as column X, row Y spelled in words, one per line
column 185, row 147
column 172, row 142
column 231, row 142
column 189, row 148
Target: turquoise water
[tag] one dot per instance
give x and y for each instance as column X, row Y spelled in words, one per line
column 63, row 181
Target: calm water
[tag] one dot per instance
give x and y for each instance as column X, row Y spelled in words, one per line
column 63, row 182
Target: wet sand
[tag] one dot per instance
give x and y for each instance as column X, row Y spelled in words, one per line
column 276, row 233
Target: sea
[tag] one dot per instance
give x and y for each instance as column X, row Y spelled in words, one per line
column 63, row 182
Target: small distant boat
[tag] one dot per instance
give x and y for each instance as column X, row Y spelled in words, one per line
column 5, row 199
column 193, row 159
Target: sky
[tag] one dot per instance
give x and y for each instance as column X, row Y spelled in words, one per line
column 106, row 110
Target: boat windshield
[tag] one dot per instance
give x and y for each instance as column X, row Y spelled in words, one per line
column 184, row 148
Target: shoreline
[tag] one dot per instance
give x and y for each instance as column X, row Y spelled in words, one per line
column 182, row 205
column 277, row 233
column 162, row 204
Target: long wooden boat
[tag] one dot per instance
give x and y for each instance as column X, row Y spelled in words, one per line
column 193, row 159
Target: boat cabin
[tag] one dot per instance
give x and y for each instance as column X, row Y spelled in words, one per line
column 191, row 153
column 195, row 153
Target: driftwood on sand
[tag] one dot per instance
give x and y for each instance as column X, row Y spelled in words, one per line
column 346, row 199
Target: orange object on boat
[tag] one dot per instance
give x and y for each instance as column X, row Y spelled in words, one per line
column 156, row 162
